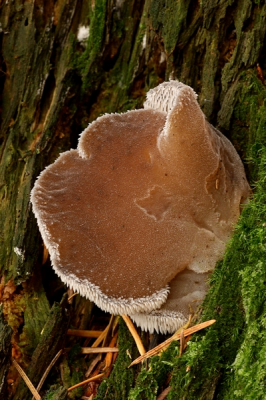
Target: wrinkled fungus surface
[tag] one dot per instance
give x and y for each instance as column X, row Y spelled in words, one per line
column 143, row 207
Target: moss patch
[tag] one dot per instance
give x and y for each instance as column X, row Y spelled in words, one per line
column 152, row 377
column 117, row 386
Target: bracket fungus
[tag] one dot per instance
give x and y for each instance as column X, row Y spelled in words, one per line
column 136, row 218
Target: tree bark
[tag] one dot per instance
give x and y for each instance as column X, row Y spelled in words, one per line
column 52, row 84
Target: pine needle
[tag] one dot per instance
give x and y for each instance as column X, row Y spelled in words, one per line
column 71, row 297
column 163, row 395
column 93, row 365
column 109, row 356
column 135, row 334
column 108, row 329
column 93, row 378
column 93, row 350
column 176, row 336
column 182, row 343
column 48, row 369
column 103, row 334
column 84, row 333
column 26, row 380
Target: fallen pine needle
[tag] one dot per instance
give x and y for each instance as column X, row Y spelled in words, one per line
column 109, row 356
column 71, row 297
column 176, row 336
column 48, row 369
column 182, row 338
column 26, row 380
column 115, row 324
column 93, row 378
column 108, row 330
column 45, row 254
column 103, row 334
column 163, row 395
column 182, row 343
column 101, row 337
column 135, row 334
column 93, row 350
column 84, row 333
column 93, row 365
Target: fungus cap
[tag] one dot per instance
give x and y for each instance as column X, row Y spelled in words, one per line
column 147, row 201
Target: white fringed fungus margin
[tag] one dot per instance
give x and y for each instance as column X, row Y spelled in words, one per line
column 160, row 321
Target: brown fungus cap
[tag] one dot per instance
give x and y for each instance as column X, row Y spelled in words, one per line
column 147, row 194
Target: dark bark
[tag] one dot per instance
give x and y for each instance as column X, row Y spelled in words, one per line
column 52, row 85
column 52, row 340
column 5, row 354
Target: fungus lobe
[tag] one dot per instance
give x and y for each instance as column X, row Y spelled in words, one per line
column 143, row 207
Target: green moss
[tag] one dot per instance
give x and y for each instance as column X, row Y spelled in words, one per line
column 121, row 379
column 249, row 372
column 72, row 376
column 36, row 313
column 152, row 378
column 109, row 73
column 56, row 393
column 86, row 62
column 170, row 20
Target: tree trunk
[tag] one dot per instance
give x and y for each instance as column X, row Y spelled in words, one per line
column 63, row 64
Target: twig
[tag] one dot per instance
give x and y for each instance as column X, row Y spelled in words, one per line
column 84, row 333
column 134, row 333
column 176, row 336
column 48, row 369
column 93, row 350
column 94, row 378
column 26, row 380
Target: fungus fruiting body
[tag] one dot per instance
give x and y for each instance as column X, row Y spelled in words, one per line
column 138, row 215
